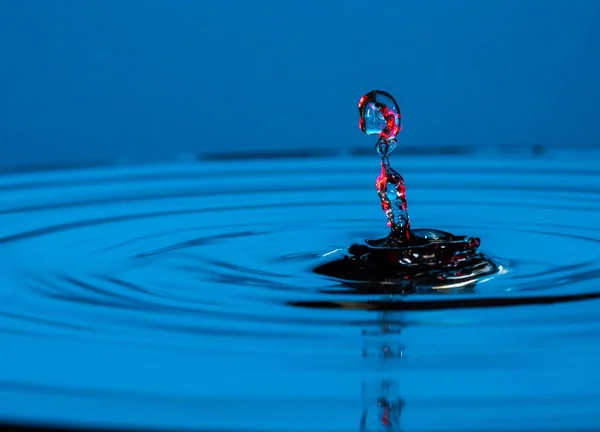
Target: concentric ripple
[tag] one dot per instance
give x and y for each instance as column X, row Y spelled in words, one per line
column 173, row 286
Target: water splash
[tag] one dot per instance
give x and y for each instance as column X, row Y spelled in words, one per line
column 380, row 115
column 413, row 260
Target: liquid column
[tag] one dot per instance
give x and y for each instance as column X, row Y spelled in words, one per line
column 392, row 193
column 380, row 115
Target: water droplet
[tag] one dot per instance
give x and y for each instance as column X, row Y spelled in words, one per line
column 379, row 115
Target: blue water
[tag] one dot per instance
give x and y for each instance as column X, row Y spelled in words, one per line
column 159, row 297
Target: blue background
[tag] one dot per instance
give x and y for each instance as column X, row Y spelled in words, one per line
column 135, row 81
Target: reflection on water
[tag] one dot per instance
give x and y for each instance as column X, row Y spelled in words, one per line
column 179, row 297
column 382, row 403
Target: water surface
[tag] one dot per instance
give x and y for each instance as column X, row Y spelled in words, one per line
column 181, row 296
